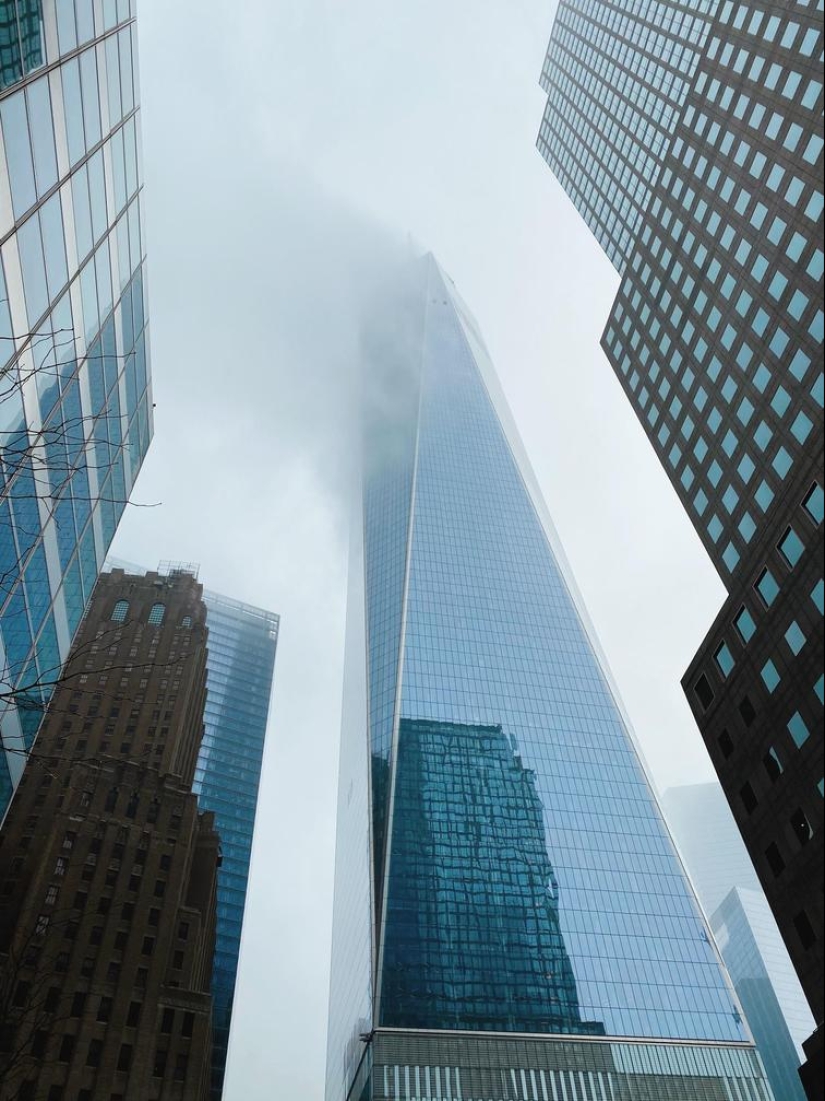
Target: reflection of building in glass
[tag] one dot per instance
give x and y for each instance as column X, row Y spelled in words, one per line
column 75, row 401
column 690, row 138
column 507, row 869
column 472, row 937
column 21, row 39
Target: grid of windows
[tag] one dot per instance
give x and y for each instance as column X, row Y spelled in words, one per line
column 239, row 668
column 75, row 411
column 716, row 335
column 509, row 771
column 616, row 75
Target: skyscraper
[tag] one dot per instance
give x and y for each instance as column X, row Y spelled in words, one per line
column 509, row 910
column 239, row 670
column 108, row 868
column 75, row 399
column 240, row 663
column 716, row 337
column 745, row 930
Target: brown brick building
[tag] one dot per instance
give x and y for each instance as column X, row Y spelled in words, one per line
column 107, row 870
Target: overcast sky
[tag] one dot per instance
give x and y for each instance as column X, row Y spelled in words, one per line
column 292, row 150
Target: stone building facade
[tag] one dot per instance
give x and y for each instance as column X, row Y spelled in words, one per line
column 107, row 869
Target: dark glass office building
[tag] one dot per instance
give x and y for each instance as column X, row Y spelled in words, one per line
column 75, row 402
column 239, row 668
column 511, row 920
column 716, row 336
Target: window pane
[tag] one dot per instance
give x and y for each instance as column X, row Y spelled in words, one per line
column 745, row 625
column 18, row 153
column 51, row 225
column 73, row 109
column 791, row 547
column 42, row 133
column 34, row 272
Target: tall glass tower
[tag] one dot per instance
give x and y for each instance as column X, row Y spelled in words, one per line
column 511, row 919
column 239, row 668
column 75, row 398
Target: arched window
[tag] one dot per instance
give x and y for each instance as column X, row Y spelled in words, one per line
column 186, row 621
column 120, row 611
column 156, row 615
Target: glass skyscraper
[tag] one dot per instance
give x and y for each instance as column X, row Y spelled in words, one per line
column 716, row 336
column 239, row 667
column 745, row 930
column 511, row 919
column 75, row 399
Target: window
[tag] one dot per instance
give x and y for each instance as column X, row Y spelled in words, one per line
column 93, row 1056
column 124, row 1059
column 767, row 587
column 66, row 1049
column 798, row 730
column 167, row 1021
column 748, row 797
column 133, row 1016
column 78, row 1005
column 801, row 826
column 770, row 675
column 724, row 659
column 774, row 859
column 159, row 1068
column 747, row 710
column 186, row 621
column 704, row 692
column 804, row 929
column 104, row 1009
column 745, row 625
column 156, row 615
column 21, row 993
column 795, row 638
column 188, row 1024
column 120, row 611
column 814, row 503
column 773, row 765
column 791, row 547
column 725, row 743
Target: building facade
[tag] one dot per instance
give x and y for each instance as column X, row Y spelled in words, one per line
column 616, row 76
column 510, row 913
column 240, row 664
column 716, row 337
column 108, row 869
column 745, row 930
column 75, row 398
column 239, row 670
